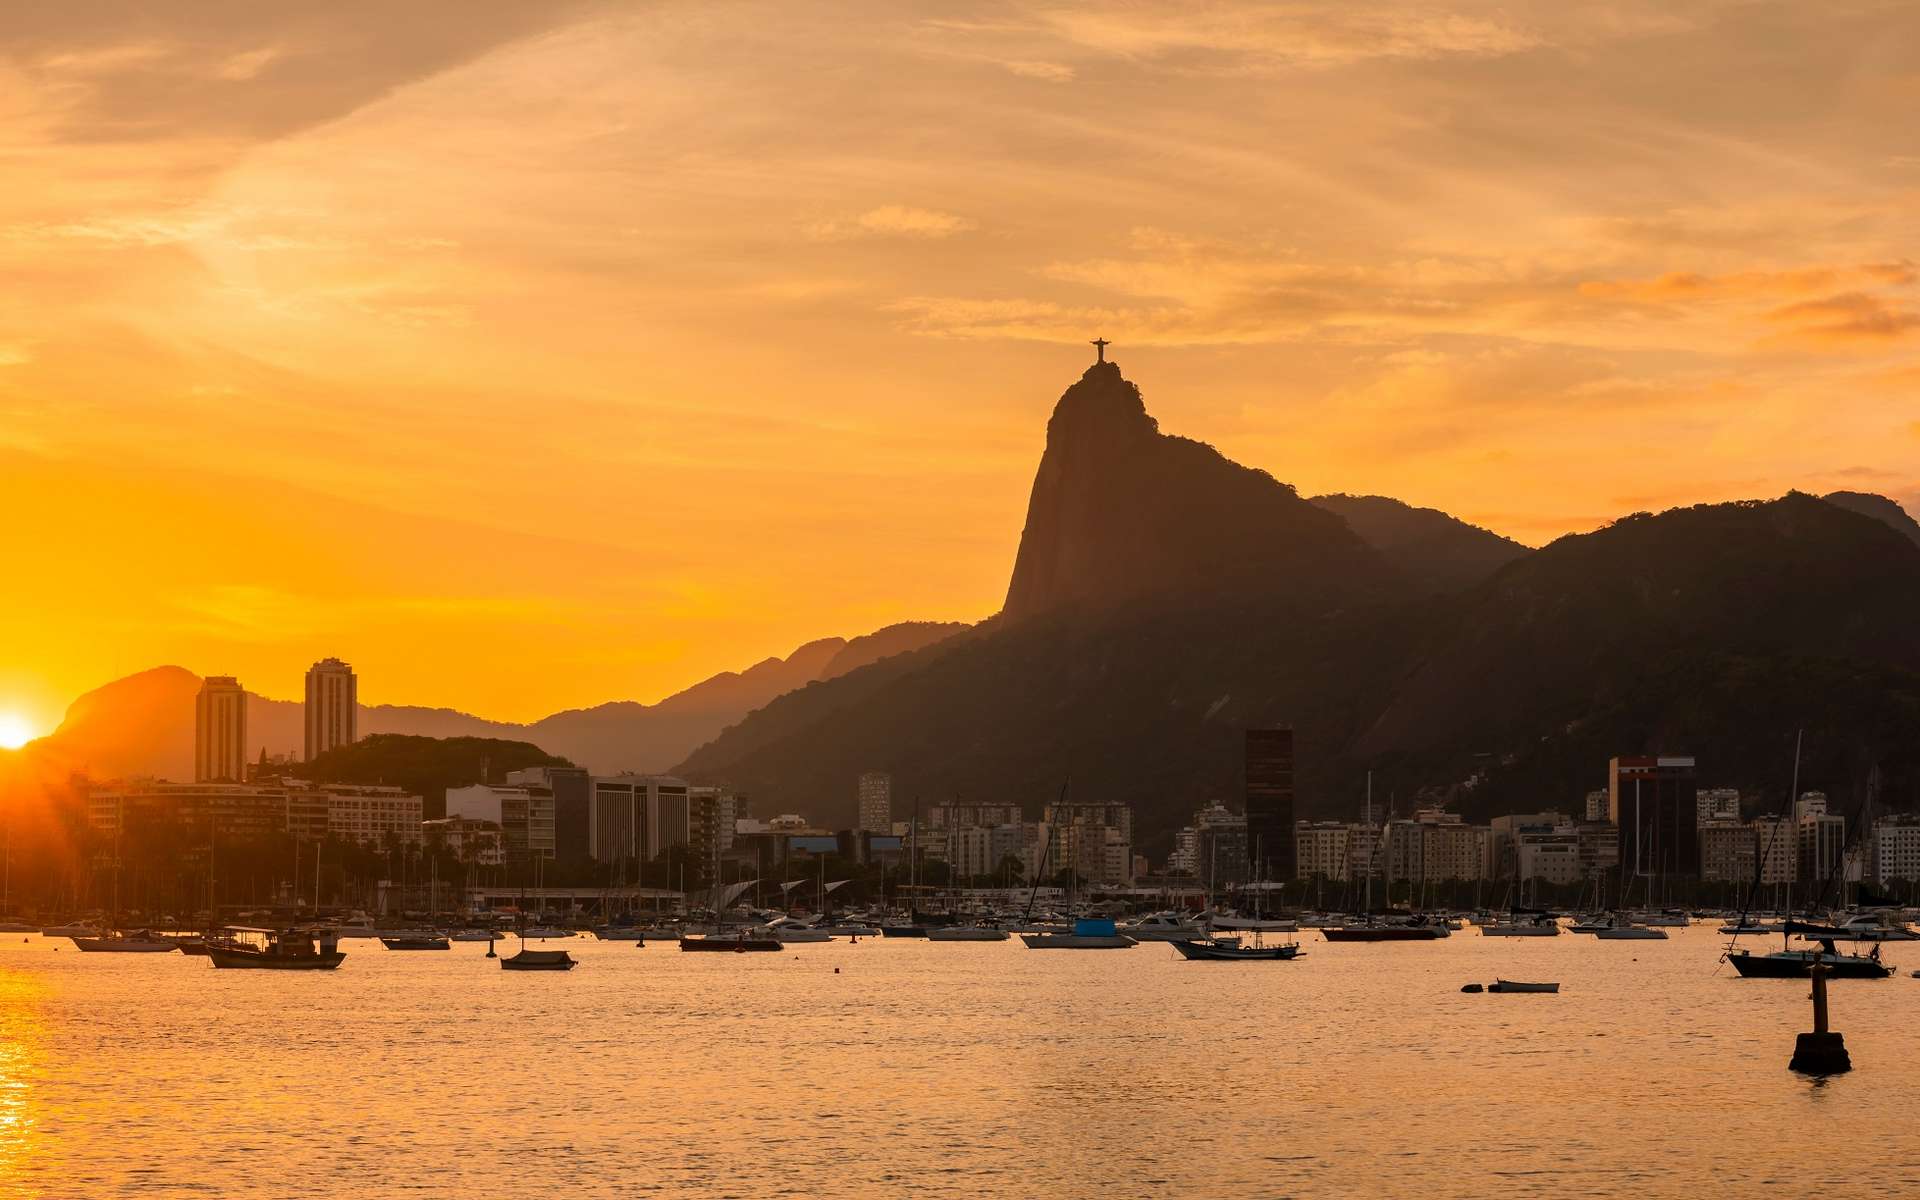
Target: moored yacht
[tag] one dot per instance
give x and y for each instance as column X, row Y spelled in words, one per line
column 1163, row 927
column 122, row 941
column 1089, row 933
column 966, row 933
column 1374, row 929
column 276, row 949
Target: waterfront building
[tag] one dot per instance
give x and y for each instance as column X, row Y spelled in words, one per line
column 1652, row 803
column 981, row 849
column 1550, row 856
column 1820, row 839
column 1728, row 853
column 1774, row 846
column 1597, row 805
column 186, row 815
column 368, row 814
column 1599, row 848
column 1094, row 839
column 220, row 731
column 1269, row 803
column 1716, row 804
column 876, row 802
column 1503, row 839
column 1896, row 850
column 524, row 812
column 1433, row 846
column 481, row 843
column 1222, row 857
column 1323, row 850
column 332, row 708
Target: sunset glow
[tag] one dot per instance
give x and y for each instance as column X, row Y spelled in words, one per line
column 14, row 732
column 566, row 353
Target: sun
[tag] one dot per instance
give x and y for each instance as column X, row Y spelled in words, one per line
column 14, row 732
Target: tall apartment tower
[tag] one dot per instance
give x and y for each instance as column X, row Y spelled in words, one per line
column 876, row 802
column 333, row 695
column 220, row 731
column 1271, row 849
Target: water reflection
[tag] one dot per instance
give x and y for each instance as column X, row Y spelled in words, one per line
column 22, row 1047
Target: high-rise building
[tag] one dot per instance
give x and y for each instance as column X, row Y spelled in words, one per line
column 1716, row 804
column 1271, row 846
column 1821, row 839
column 876, row 802
column 220, row 731
column 333, row 706
column 1652, row 803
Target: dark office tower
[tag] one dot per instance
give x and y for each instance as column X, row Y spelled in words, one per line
column 1270, row 834
column 1654, row 807
column 572, row 823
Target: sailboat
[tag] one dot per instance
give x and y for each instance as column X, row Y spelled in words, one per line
column 116, row 940
column 1227, row 948
column 1370, row 928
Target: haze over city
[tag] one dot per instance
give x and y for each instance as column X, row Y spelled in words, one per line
column 567, row 353
column 1225, row 598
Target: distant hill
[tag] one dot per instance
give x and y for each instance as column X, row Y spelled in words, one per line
column 143, row 724
column 1143, row 633
column 1881, row 509
column 1438, row 551
column 427, row 766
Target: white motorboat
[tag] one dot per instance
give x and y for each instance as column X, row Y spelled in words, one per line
column 1626, row 931
column 471, row 935
column 71, row 929
column 121, row 941
column 1547, row 927
column 1164, row 927
column 790, row 931
column 1662, row 920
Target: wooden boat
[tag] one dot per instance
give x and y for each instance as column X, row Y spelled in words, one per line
column 1509, row 985
column 1228, row 949
column 120, row 941
column 538, row 960
column 276, row 949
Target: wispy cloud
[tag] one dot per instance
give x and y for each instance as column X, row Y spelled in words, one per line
column 893, row 220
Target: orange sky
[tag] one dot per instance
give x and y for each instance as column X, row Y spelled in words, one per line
column 530, row 356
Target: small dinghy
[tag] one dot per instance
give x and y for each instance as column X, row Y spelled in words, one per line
column 1509, row 985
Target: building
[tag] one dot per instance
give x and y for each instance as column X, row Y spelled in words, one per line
column 1773, row 843
column 1716, row 804
column 220, row 731
column 187, row 817
column 982, row 850
column 1432, row 846
column 1550, row 856
column 333, row 707
column 1820, row 839
column 640, row 817
column 1503, row 839
column 523, row 811
column 1093, row 839
column 1323, row 850
column 1728, row 852
column 1597, row 805
column 1269, row 803
column 1653, row 806
column 1896, row 850
column 369, row 815
column 481, row 843
column 876, row 802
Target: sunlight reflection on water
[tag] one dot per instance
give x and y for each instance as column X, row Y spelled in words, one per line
column 957, row 1069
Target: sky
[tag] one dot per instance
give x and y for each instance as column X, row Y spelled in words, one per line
column 531, row 356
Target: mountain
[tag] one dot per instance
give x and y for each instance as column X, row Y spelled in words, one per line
column 426, row 766
column 143, row 724
column 1123, row 515
column 1439, row 552
column 1164, row 599
column 1881, row 509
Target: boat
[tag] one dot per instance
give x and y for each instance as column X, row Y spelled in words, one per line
column 1235, row 923
column 1164, row 927
column 471, row 935
column 966, row 933
column 786, row 929
column 1375, row 930
column 548, row 931
column 1876, row 926
column 276, row 949
column 415, row 941
column 1536, row 924
column 620, row 933
column 1230, row 949
column 18, row 927
column 71, row 929
column 1089, row 933
column 121, row 941
column 538, row 960
column 1744, row 926
column 1623, row 930
column 1509, row 985
column 1798, row 964
column 737, row 944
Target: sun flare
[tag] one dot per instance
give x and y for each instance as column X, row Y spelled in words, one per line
column 14, row 732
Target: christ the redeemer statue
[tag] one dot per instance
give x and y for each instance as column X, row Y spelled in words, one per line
column 1100, row 350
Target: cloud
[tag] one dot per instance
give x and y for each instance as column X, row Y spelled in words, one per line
column 1028, row 68
column 1851, row 317
column 1241, row 37
column 893, row 220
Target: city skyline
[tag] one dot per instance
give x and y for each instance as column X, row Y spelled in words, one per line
column 1435, row 253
